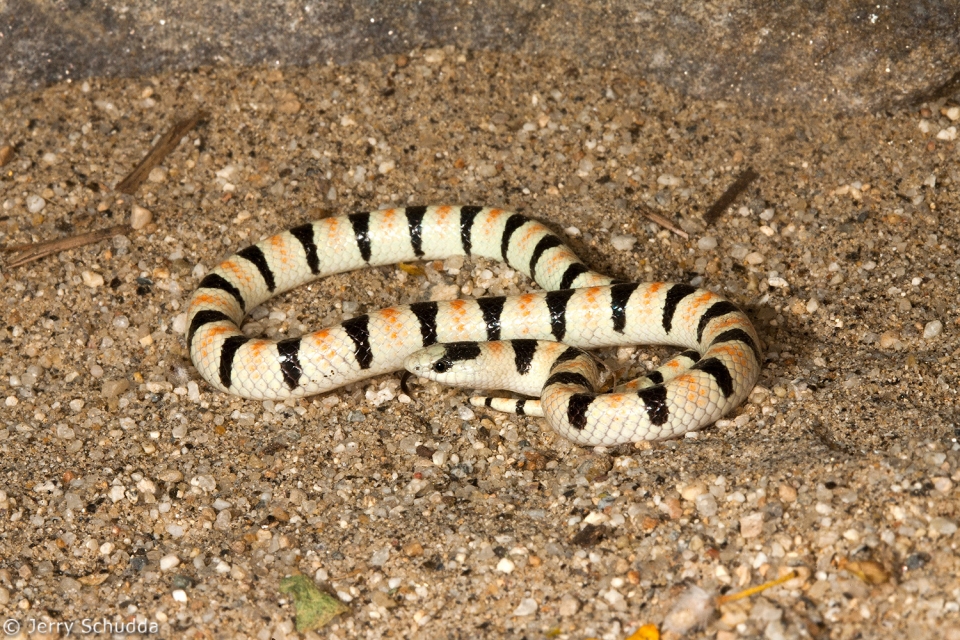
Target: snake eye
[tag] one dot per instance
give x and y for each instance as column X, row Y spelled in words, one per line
column 440, row 366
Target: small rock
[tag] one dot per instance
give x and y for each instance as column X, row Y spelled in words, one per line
column 179, row 595
column 948, row 134
column 290, row 105
column 140, row 217
column 168, row 562
column 170, row 475
column 91, row 279
column 943, row 527
column 380, row 557
column 672, row 507
column 528, row 606
column 751, row 526
column 889, row 339
column 754, row 258
column 692, row 609
column 692, row 490
column 146, row 485
column 932, row 329
column 35, row 203
column 787, row 493
column 707, row 243
column 441, row 292
column 487, row 170
column 943, row 485
column 569, row 606
column 622, row 242
column 114, row 388
column 706, row 505
column 506, row 566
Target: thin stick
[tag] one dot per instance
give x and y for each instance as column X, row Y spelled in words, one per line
column 167, row 143
column 663, row 222
column 36, row 250
column 739, row 185
column 746, row 593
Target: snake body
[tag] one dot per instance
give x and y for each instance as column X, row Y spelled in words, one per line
column 580, row 308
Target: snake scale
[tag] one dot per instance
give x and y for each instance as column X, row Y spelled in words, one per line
column 579, row 308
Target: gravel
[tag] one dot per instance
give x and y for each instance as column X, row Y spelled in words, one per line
column 132, row 489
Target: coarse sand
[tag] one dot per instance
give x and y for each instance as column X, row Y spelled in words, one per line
column 132, row 492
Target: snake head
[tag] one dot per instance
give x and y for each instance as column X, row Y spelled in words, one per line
column 459, row 364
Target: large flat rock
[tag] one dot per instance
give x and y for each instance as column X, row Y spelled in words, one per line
column 849, row 55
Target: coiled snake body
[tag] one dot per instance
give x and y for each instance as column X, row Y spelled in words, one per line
column 580, row 308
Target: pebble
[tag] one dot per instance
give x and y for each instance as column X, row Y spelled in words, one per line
column 754, row 258
column 168, row 562
column 179, row 595
column 932, row 329
column 35, row 203
column 114, row 388
column 170, row 475
column 440, row 292
column 691, row 491
column 889, row 339
column 569, row 606
column 91, row 279
column 672, row 507
column 707, row 243
column 948, row 134
column 506, row 565
column 623, row 242
column 140, row 217
column 380, row 557
column 487, row 170
column 146, row 485
column 751, row 525
column 787, row 493
column 693, row 608
column 943, row 526
column 527, row 607
column 943, row 485
column 706, row 505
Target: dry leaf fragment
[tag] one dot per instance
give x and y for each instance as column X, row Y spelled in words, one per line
column 314, row 607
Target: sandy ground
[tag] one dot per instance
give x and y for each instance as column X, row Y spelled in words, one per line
column 133, row 492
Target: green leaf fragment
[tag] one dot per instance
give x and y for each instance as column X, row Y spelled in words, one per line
column 314, row 607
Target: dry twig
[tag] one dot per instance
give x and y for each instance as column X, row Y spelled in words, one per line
column 36, row 250
column 164, row 146
column 663, row 222
column 167, row 143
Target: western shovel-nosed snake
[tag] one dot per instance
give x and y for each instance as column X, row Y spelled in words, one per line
column 579, row 308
